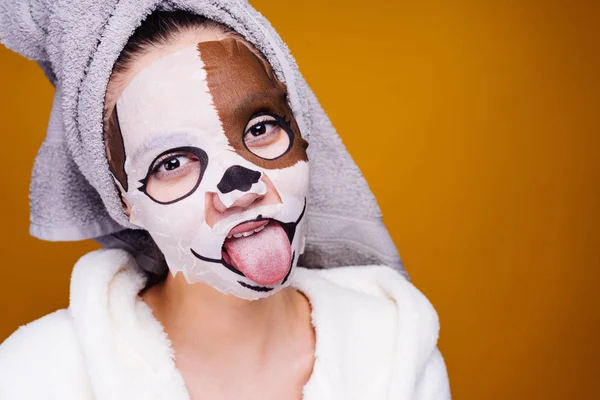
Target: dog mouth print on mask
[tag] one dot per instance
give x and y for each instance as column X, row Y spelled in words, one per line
column 210, row 159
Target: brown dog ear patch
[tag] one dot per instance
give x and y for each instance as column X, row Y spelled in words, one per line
column 242, row 86
column 115, row 149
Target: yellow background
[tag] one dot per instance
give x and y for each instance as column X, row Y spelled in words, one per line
column 476, row 125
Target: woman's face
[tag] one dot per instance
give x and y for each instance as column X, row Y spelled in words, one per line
column 211, row 163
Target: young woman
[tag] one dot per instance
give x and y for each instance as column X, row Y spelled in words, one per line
column 200, row 159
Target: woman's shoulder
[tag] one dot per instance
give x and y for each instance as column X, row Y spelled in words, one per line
column 39, row 338
column 378, row 326
column 48, row 351
column 42, row 358
column 371, row 288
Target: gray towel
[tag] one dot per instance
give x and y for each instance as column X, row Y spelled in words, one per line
column 73, row 196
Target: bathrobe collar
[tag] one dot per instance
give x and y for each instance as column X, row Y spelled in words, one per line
column 128, row 354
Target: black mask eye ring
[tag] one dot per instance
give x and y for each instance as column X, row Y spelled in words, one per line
column 283, row 122
column 196, row 151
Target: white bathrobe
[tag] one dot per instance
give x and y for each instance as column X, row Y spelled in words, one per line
column 376, row 338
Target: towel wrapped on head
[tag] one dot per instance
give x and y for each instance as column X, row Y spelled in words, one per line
column 73, row 195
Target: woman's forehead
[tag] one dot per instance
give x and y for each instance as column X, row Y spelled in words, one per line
column 196, row 88
column 149, row 54
column 168, row 95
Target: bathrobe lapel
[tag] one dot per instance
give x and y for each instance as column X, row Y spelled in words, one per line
column 127, row 353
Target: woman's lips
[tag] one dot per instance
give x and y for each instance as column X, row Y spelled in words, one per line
column 247, row 228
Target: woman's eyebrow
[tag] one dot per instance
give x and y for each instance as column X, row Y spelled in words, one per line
column 158, row 141
column 265, row 96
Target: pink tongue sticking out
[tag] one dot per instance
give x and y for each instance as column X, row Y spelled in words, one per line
column 264, row 257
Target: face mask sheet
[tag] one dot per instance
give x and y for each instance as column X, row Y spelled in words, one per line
column 211, row 161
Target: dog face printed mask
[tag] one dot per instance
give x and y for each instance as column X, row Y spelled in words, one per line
column 212, row 164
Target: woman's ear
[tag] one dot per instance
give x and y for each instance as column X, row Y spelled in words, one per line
column 126, row 206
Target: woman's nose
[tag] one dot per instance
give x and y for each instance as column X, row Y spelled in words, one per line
column 243, row 202
column 218, row 207
column 238, row 178
column 238, row 189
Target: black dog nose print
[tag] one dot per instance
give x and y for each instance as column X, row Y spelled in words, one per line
column 238, row 178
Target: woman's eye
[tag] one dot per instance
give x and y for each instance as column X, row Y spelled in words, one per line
column 261, row 128
column 174, row 166
column 173, row 176
column 174, row 163
column 267, row 136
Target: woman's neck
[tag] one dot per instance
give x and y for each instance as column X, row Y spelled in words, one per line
column 217, row 328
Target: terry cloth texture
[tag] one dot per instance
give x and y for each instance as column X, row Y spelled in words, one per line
column 73, row 195
column 376, row 339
